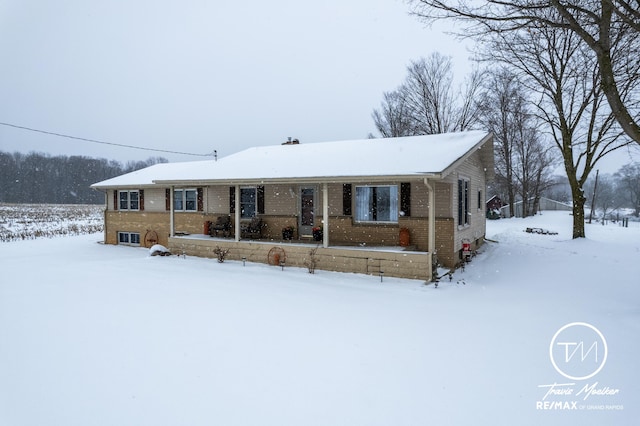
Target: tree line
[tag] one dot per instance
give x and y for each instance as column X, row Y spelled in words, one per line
column 41, row 178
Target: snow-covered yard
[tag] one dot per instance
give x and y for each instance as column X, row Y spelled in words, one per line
column 107, row 335
column 30, row 221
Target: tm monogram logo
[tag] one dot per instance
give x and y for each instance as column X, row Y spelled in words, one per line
column 578, row 351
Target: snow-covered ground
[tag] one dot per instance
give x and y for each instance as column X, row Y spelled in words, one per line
column 107, row 335
column 30, row 221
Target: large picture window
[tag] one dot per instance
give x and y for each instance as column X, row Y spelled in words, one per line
column 376, row 203
column 185, row 200
column 128, row 200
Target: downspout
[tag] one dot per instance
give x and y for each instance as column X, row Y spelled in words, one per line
column 104, row 214
column 237, row 213
column 172, row 231
column 431, row 245
column 325, row 215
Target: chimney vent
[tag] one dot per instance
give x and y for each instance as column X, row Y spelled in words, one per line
column 291, row 142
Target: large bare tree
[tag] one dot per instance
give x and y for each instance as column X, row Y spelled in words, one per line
column 556, row 65
column 610, row 29
column 427, row 103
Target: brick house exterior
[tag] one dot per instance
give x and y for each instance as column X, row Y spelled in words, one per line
column 362, row 202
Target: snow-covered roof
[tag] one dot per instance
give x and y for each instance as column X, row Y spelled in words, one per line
column 429, row 155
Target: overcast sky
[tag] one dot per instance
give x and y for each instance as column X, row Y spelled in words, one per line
column 199, row 75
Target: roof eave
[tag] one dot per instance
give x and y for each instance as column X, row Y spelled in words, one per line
column 489, row 168
column 111, row 186
column 305, row 180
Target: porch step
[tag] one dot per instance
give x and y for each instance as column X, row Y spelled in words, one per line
column 373, row 266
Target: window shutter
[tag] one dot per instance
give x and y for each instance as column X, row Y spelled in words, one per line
column 260, row 199
column 346, row 199
column 141, row 199
column 405, row 198
column 460, row 201
column 167, row 199
column 232, row 199
column 200, row 199
column 115, row 199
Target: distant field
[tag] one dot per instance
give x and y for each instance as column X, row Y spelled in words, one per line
column 29, row 221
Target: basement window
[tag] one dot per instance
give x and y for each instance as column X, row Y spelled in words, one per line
column 129, row 238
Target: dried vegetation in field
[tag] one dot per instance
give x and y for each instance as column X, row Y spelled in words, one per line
column 29, row 221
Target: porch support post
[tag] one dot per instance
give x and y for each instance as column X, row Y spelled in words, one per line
column 172, row 227
column 237, row 214
column 325, row 215
column 431, row 246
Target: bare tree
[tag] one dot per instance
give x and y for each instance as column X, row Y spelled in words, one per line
column 392, row 119
column 523, row 161
column 532, row 167
column 554, row 64
column 610, row 29
column 426, row 103
column 606, row 198
column 628, row 183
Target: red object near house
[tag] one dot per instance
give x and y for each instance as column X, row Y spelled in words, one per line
column 405, row 237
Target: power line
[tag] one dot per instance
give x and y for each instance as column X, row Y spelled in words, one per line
column 101, row 142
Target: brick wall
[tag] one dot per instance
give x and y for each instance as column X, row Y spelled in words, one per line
column 402, row 264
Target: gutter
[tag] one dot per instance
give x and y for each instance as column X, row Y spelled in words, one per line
column 305, row 180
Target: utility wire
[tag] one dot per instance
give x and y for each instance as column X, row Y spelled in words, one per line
column 102, row 142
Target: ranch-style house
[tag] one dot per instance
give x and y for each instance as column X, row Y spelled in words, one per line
column 391, row 206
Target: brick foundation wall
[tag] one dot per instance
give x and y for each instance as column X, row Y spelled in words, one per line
column 413, row 265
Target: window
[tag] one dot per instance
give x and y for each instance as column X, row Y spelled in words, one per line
column 377, row 203
column 129, row 238
column 479, row 199
column 185, row 200
column 129, row 200
column 247, row 202
column 463, row 202
column 251, row 201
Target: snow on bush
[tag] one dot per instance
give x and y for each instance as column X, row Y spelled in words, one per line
column 159, row 250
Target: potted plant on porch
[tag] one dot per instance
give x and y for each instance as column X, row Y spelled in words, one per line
column 287, row 232
column 317, row 233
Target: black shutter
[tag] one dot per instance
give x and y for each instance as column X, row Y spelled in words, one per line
column 115, row 199
column 405, row 198
column 232, row 199
column 167, row 199
column 260, row 199
column 346, row 199
column 141, row 200
column 460, row 202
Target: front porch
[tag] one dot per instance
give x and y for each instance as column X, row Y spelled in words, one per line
column 392, row 261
